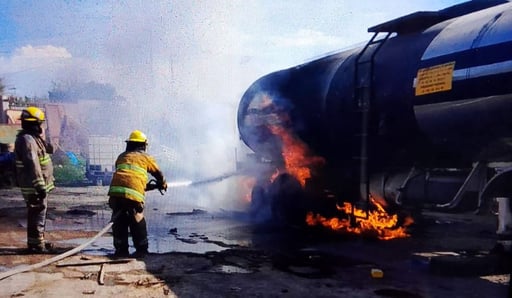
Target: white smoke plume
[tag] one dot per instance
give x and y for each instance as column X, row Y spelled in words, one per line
column 181, row 66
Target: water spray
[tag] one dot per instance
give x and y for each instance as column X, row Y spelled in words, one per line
column 187, row 183
column 179, row 183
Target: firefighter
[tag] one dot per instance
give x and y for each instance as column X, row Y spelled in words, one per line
column 34, row 172
column 127, row 194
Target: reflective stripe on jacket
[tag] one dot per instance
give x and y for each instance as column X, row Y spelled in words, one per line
column 131, row 175
column 34, row 168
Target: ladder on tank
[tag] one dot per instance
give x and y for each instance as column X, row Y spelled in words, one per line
column 363, row 95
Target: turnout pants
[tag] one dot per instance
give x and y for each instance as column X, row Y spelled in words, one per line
column 127, row 216
column 36, row 221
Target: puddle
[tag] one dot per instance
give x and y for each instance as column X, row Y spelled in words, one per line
column 174, row 224
column 229, row 269
column 194, row 232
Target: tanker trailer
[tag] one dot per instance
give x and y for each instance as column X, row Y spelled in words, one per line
column 419, row 116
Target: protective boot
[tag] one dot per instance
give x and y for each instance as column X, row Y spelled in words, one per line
column 44, row 247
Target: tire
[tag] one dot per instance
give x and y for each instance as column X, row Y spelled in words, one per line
column 288, row 200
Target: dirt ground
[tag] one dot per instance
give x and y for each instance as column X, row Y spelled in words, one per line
column 446, row 256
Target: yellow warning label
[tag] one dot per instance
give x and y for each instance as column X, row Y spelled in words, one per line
column 434, row 79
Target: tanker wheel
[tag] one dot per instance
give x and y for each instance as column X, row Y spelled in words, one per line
column 288, row 201
column 259, row 210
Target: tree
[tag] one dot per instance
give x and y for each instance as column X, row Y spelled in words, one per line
column 75, row 91
column 69, row 168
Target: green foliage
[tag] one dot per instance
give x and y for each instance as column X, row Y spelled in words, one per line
column 74, row 91
column 66, row 173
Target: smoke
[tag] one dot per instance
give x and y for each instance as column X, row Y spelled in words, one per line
column 181, row 66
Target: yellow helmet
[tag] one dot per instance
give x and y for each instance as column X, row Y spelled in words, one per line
column 32, row 114
column 137, row 136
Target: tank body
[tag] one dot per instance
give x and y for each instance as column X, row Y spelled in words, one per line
column 444, row 91
column 438, row 95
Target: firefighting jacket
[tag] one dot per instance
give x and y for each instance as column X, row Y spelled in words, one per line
column 34, row 168
column 131, row 175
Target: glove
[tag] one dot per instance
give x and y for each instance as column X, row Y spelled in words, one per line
column 112, row 203
column 49, row 148
column 37, row 202
column 41, row 193
column 163, row 186
column 139, row 207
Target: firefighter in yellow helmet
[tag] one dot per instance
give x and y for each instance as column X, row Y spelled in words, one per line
column 34, row 171
column 127, row 194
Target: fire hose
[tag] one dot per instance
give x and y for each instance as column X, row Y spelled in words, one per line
column 152, row 184
column 61, row 256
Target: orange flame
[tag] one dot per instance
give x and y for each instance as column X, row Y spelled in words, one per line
column 298, row 162
column 378, row 223
column 247, row 185
column 296, row 155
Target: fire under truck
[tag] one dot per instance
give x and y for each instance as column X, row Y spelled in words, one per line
column 418, row 117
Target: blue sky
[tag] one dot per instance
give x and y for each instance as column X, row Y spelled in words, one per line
column 182, row 65
column 183, row 45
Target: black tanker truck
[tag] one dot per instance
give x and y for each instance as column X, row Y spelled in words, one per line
column 421, row 115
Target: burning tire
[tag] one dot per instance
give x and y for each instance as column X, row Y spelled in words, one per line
column 288, row 200
column 259, row 210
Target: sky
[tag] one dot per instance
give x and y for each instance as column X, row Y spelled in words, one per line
column 183, row 64
column 195, row 48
